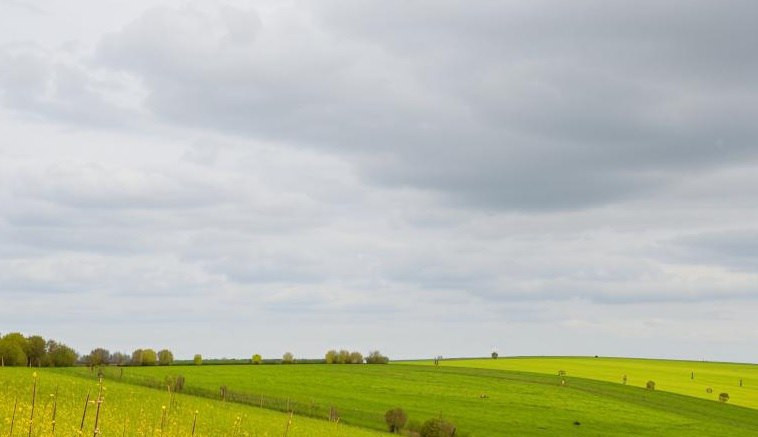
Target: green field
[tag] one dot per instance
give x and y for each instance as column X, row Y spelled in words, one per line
column 515, row 402
column 137, row 411
column 669, row 375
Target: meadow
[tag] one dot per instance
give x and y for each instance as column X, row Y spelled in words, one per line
column 129, row 410
column 479, row 401
column 692, row 378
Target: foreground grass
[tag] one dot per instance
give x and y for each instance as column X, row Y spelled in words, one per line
column 515, row 402
column 669, row 375
column 137, row 411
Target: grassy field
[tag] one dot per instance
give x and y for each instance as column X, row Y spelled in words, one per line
column 516, row 402
column 669, row 375
column 129, row 410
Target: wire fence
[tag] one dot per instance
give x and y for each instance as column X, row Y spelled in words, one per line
column 309, row 408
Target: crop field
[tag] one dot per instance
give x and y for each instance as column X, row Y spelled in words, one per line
column 128, row 410
column 692, row 378
column 480, row 402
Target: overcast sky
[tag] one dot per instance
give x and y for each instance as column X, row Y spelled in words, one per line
column 423, row 177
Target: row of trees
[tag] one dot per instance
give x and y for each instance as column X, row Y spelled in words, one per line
column 17, row 350
column 148, row 357
column 346, row 357
column 140, row 357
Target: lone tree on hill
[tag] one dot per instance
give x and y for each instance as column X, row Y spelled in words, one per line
column 396, row 419
column 494, row 355
column 198, row 359
column 257, row 359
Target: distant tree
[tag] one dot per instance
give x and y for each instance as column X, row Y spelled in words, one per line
column 494, row 355
column 13, row 347
column 198, row 359
column 724, row 397
column 98, row 357
column 257, row 359
column 437, row 428
column 375, row 357
column 119, row 358
column 11, row 354
column 355, row 358
column 331, row 357
column 59, row 355
column 650, row 385
column 396, row 419
column 137, row 357
column 35, row 350
column 288, row 358
column 343, row 356
column 165, row 357
column 149, row 357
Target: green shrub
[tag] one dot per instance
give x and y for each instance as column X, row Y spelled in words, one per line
column 257, row 359
column 198, row 360
column 650, row 385
column 437, row 428
column 724, row 397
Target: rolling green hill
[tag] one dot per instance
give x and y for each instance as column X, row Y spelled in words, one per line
column 669, row 375
column 481, row 402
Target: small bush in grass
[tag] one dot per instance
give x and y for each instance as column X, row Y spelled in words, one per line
column 437, row 428
column 396, row 419
column 709, row 390
column 650, row 385
column 724, row 397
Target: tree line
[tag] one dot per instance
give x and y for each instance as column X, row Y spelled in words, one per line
column 34, row 350
column 346, row 357
column 140, row 357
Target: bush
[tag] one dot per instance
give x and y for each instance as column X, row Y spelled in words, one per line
column 494, row 355
column 650, row 385
column 396, row 419
column 288, row 358
column 176, row 383
column 376, row 358
column 437, row 428
column 198, row 360
column 724, row 397
column 257, row 359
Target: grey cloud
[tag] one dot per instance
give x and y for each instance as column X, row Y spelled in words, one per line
column 733, row 249
column 505, row 106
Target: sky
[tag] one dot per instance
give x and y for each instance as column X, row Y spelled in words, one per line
column 422, row 177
